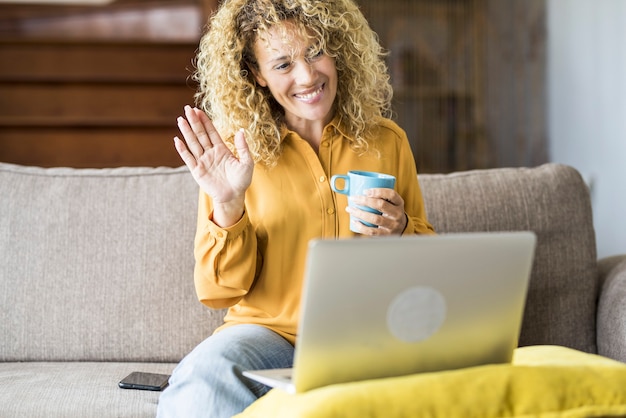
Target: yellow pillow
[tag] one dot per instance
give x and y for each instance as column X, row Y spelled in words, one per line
column 543, row 381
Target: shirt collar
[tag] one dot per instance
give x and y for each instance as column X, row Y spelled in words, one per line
column 336, row 123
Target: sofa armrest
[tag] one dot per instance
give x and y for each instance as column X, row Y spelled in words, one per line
column 611, row 318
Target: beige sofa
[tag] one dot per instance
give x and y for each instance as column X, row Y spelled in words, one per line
column 96, row 275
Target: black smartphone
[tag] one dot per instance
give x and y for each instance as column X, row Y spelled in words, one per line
column 144, row 381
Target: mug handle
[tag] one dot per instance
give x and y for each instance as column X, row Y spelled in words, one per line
column 346, row 185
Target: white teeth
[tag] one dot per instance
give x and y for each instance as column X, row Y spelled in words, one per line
column 310, row 95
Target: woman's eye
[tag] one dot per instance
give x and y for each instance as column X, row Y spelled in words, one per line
column 282, row 66
column 316, row 54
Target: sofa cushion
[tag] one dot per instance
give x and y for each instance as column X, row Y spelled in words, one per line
column 553, row 201
column 75, row 389
column 97, row 265
column 542, row 382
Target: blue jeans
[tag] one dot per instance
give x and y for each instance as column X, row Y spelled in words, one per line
column 208, row 381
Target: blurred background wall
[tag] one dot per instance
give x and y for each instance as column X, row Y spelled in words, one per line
column 587, row 105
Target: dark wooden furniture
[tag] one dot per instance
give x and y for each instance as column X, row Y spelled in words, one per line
column 92, row 104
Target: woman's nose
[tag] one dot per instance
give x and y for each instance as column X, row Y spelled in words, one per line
column 305, row 73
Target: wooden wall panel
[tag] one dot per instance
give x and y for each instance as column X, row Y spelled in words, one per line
column 84, row 104
column 73, row 61
column 472, row 96
column 92, row 104
column 89, row 147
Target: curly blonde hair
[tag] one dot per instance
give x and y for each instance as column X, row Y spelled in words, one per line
column 230, row 95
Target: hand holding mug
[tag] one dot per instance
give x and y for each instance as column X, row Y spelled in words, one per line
column 375, row 207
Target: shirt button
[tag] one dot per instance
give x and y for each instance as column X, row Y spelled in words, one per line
column 330, row 211
column 322, row 179
column 325, row 143
column 219, row 234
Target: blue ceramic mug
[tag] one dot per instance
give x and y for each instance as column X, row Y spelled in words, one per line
column 356, row 182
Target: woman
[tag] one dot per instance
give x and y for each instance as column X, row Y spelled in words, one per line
column 290, row 93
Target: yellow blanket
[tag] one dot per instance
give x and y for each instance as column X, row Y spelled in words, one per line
column 542, row 381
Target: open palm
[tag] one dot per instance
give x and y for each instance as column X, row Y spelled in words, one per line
column 219, row 173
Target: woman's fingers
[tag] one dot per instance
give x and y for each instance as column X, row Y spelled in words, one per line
column 243, row 152
column 195, row 131
column 190, row 136
column 188, row 158
column 197, row 126
column 389, row 203
column 198, row 130
column 213, row 137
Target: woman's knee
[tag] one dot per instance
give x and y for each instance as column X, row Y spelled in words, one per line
column 210, row 377
column 238, row 348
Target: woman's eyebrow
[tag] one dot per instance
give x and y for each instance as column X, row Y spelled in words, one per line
column 280, row 58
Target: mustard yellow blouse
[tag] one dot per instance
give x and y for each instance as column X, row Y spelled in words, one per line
column 255, row 267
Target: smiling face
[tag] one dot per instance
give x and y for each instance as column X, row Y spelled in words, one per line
column 303, row 81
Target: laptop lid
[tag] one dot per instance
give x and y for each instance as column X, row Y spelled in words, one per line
column 390, row 306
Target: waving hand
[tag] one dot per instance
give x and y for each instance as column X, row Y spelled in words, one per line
column 219, row 173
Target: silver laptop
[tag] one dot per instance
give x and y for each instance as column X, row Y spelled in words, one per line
column 382, row 307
